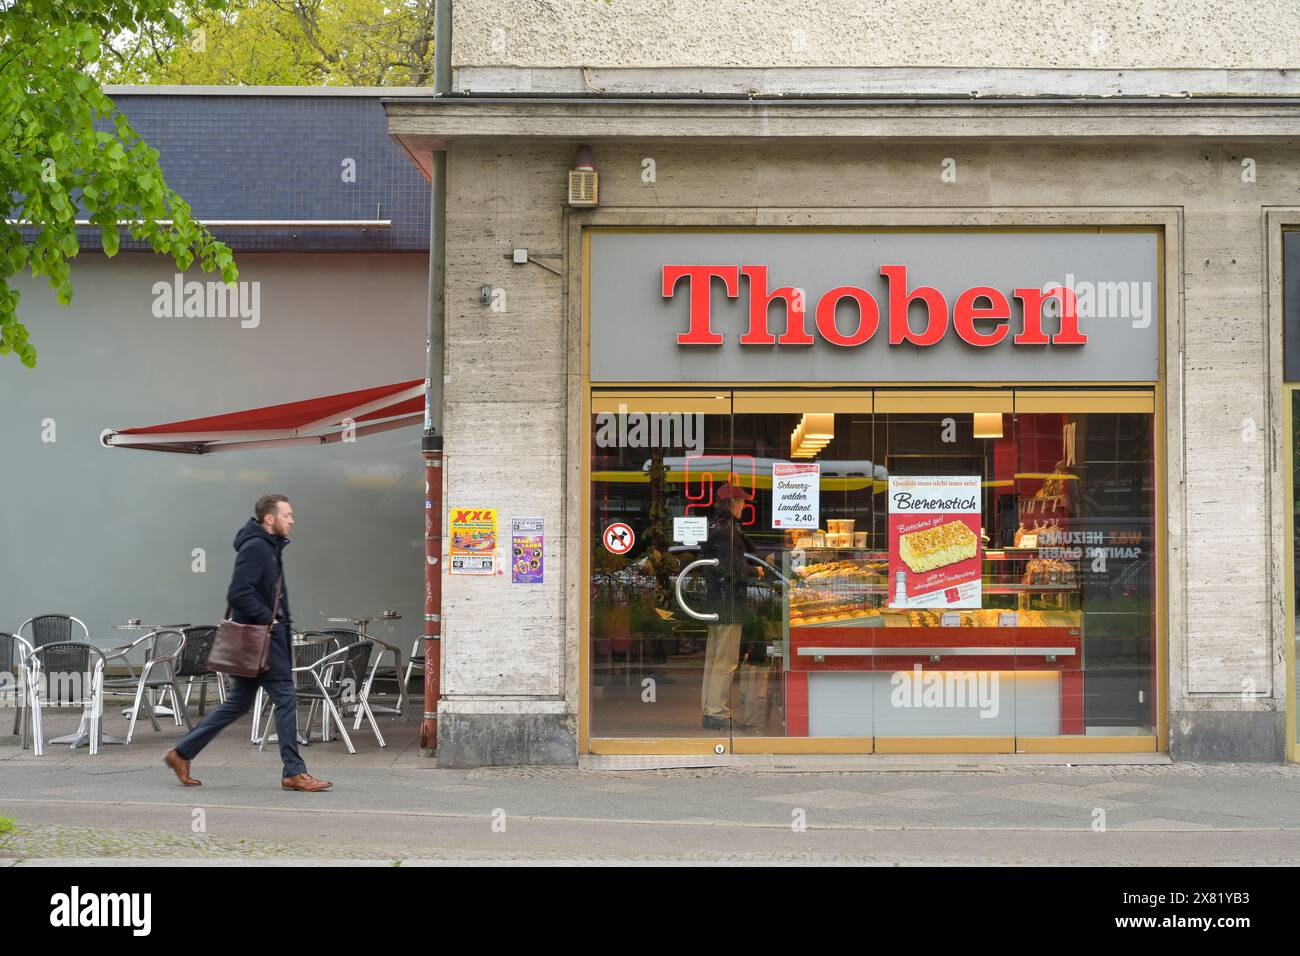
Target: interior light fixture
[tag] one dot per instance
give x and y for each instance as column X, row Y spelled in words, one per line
column 988, row 424
column 814, row 432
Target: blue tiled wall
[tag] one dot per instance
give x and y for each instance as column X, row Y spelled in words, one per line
column 280, row 157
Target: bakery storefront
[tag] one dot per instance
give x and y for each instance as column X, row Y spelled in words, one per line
column 942, row 449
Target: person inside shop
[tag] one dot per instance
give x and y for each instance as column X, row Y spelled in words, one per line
column 727, row 587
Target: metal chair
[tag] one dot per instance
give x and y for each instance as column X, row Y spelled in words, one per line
column 62, row 661
column 129, row 685
column 350, row 687
column 193, row 665
column 306, row 656
column 345, row 638
column 159, row 674
column 52, row 628
column 415, row 661
column 322, row 672
column 15, row 677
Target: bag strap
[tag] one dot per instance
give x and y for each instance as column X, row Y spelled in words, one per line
column 275, row 603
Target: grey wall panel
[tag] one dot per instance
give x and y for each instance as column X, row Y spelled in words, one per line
column 109, row 534
column 862, row 704
column 634, row 328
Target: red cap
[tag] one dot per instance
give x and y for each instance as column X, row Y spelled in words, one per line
column 729, row 490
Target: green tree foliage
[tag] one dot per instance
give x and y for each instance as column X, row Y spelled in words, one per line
column 288, row 43
column 53, row 155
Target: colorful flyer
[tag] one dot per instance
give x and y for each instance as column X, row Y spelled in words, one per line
column 473, row 541
column 796, row 494
column 935, row 556
column 526, row 545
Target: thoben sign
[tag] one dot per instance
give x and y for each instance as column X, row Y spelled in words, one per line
column 849, row 306
column 980, row 316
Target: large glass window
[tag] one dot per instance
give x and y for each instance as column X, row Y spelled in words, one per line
column 1294, row 436
column 737, row 625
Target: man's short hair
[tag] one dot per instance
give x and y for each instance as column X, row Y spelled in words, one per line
column 267, row 505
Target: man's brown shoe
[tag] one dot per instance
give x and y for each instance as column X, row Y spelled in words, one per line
column 305, row 782
column 181, row 766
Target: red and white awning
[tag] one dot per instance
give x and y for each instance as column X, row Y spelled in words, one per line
column 315, row 421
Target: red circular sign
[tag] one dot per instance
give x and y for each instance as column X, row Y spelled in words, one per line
column 618, row 538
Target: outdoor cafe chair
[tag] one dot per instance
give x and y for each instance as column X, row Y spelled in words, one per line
column 159, row 674
column 345, row 637
column 193, row 665
column 323, row 673
column 350, row 686
column 416, row 660
column 61, row 660
column 130, row 684
column 49, row 628
column 15, row 669
column 306, row 656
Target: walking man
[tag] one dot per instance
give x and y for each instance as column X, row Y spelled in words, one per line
column 259, row 568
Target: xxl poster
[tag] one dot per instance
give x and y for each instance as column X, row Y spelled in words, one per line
column 473, row 541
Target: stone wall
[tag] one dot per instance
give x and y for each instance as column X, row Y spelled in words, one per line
column 514, row 431
column 1057, row 34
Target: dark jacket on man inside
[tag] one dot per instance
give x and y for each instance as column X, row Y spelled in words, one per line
column 729, row 582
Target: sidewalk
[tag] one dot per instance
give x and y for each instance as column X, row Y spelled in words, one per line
column 394, row 806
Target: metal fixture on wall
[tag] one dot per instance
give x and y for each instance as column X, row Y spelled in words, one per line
column 584, row 181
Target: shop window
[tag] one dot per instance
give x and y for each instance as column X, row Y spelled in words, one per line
column 1044, row 627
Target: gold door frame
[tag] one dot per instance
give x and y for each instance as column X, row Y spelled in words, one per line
column 1279, row 220
column 696, row 746
column 1289, row 391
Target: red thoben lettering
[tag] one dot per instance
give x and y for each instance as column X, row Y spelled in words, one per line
column 900, row 330
column 868, row 316
column 1033, row 334
column 796, row 316
column 965, row 313
column 701, row 278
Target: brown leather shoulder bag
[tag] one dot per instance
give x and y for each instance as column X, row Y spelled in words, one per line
column 244, row 650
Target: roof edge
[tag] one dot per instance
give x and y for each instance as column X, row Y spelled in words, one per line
column 377, row 92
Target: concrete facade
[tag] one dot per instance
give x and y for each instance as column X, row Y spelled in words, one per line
column 1215, row 174
column 1061, row 34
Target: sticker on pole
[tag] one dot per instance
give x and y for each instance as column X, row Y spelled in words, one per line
column 619, row 538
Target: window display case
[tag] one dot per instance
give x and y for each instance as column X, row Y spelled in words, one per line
column 839, row 620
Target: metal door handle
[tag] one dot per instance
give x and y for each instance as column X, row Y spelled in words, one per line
column 681, row 577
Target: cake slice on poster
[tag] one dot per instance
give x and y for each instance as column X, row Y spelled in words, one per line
column 938, row 547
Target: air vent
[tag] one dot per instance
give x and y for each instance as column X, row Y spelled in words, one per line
column 584, row 187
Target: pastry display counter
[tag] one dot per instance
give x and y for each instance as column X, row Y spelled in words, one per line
column 839, row 621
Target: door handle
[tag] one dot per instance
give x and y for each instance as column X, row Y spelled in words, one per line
column 681, row 577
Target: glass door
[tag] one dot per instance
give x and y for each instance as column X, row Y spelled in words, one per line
column 804, row 679
column 946, row 670
column 1084, row 553
column 656, row 459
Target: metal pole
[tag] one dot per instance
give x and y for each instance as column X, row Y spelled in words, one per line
column 431, row 444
